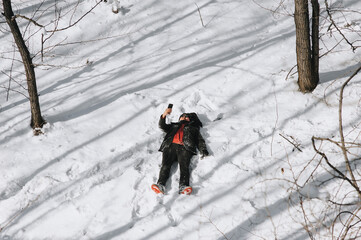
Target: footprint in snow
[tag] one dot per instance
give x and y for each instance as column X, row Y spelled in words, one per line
column 173, row 222
column 139, row 165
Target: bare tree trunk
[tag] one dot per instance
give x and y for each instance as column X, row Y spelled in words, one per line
column 37, row 120
column 306, row 58
column 315, row 40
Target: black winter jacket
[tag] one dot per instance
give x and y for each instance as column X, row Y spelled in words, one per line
column 192, row 137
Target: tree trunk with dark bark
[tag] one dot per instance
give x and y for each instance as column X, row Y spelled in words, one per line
column 315, row 40
column 307, row 57
column 37, row 120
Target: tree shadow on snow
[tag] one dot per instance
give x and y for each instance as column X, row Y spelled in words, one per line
column 333, row 75
column 242, row 230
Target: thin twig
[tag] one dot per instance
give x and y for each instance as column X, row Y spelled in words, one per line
column 338, row 143
column 59, row 66
column 32, row 17
column 348, row 166
column 10, row 75
column 350, row 220
column 334, row 168
column 77, row 21
column 74, row 10
column 343, row 204
column 29, row 19
column 18, row 213
column 18, row 83
column 93, row 40
column 276, row 122
column 274, row 11
column 12, row 90
column 334, row 24
column 306, row 227
column 291, row 143
column 289, row 73
column 200, row 15
column 211, row 222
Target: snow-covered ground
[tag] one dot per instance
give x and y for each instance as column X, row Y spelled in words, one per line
column 89, row 175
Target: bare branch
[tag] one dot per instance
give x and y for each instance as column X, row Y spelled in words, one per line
column 77, row 21
column 277, row 10
column 337, row 28
column 339, row 144
column 18, row 213
column 29, row 19
column 348, row 166
column 10, row 75
column 60, row 66
column 211, row 222
column 289, row 73
column 296, row 146
column 75, row 8
column 16, row 91
column 306, row 227
column 19, row 84
column 343, row 204
column 334, row 168
column 200, row 15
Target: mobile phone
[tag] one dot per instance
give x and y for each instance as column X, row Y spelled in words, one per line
column 170, row 105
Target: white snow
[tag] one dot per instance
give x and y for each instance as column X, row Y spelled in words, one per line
column 89, row 175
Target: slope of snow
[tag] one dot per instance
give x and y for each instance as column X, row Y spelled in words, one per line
column 89, row 175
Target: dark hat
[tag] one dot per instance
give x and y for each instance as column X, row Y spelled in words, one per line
column 182, row 115
column 193, row 118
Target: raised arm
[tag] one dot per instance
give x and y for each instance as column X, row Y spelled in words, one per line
column 162, row 124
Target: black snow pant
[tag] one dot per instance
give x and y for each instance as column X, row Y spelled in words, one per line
column 175, row 153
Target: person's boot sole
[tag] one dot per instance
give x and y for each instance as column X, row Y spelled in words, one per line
column 186, row 191
column 156, row 189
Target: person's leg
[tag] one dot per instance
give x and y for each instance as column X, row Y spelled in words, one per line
column 169, row 157
column 184, row 159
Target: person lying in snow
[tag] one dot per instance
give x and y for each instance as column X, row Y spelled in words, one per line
column 180, row 143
